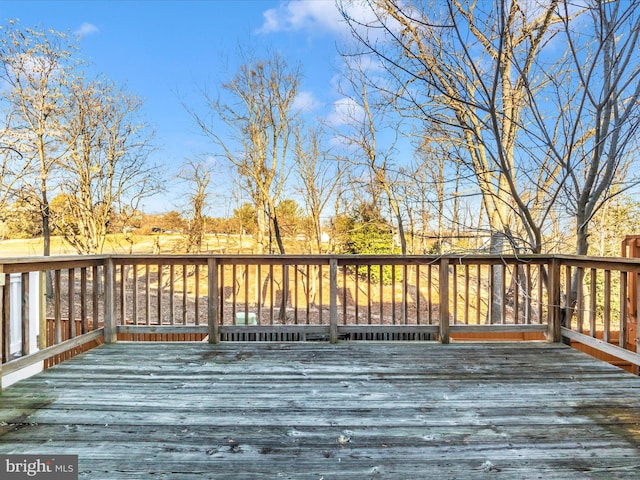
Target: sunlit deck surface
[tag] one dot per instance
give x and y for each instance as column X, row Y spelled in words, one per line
column 321, row 411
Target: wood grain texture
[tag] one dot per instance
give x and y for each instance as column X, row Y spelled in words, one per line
column 315, row 410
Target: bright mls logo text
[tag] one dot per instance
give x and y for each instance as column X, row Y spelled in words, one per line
column 59, row 467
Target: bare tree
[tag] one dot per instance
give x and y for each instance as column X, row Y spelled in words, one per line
column 34, row 66
column 104, row 168
column 319, row 174
column 593, row 135
column 363, row 118
column 259, row 118
column 433, row 169
column 596, row 142
column 198, row 177
column 467, row 68
column 544, row 97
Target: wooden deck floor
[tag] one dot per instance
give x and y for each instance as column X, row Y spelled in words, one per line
column 320, row 411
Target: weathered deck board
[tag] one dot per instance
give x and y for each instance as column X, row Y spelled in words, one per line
column 409, row 410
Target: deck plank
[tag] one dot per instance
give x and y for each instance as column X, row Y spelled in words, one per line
column 314, row 410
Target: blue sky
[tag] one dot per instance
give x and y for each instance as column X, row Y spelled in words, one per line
column 160, row 48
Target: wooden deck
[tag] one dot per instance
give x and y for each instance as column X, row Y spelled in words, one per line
column 320, row 411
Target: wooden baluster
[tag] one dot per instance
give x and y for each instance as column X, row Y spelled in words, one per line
column 213, row 298
column 83, row 301
column 159, row 299
column 369, row 304
column 333, row 300
column 134, row 295
column 593, row 303
column 147, row 281
column 606, row 334
column 185, row 291
column 467, row 293
column 57, row 314
column 418, row 296
column 110, row 328
column 24, row 291
column 320, row 298
column 196, row 289
column 71, row 291
column 622, row 341
column 95, row 297
column 5, row 317
column 172, row 293
column 454, row 291
column 444, row 300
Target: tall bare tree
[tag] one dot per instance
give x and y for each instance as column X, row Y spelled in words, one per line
column 319, row 174
column 105, row 168
column 438, row 169
column 593, row 136
column 259, row 117
column 466, row 68
column 198, row 177
column 364, row 120
column 34, row 67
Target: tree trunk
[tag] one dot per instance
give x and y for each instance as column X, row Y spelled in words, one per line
column 285, row 271
column 261, row 230
column 46, row 236
column 276, row 232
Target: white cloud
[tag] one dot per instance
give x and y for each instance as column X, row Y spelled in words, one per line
column 86, row 29
column 305, row 101
column 346, row 111
column 302, row 15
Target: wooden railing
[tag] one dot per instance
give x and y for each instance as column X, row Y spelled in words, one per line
column 50, row 309
column 295, row 298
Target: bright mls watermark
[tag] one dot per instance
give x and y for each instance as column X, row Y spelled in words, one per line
column 50, row 467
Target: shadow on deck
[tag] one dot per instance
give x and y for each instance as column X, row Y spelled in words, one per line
column 319, row 411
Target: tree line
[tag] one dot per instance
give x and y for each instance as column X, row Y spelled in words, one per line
column 511, row 122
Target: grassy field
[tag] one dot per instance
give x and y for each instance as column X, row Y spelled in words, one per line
column 142, row 244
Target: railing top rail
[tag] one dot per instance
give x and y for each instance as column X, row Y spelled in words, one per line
column 24, row 264
column 606, row 263
column 164, row 259
column 39, row 263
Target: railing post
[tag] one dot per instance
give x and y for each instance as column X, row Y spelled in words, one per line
column 624, row 310
column 27, row 348
column 444, row 300
column 554, row 325
column 333, row 300
column 213, row 306
column 110, row 328
column 42, row 311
